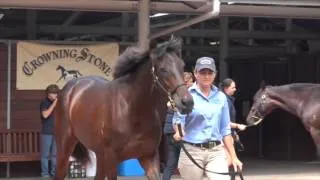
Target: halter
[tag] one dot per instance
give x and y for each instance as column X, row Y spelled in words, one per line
column 169, row 94
column 259, row 119
column 260, row 115
column 257, row 122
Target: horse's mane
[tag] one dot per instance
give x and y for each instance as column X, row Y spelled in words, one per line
column 295, row 86
column 129, row 61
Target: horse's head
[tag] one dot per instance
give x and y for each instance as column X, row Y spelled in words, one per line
column 261, row 106
column 59, row 67
column 168, row 69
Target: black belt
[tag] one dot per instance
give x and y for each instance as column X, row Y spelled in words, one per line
column 207, row 145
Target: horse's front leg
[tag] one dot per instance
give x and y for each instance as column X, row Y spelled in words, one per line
column 151, row 166
column 315, row 133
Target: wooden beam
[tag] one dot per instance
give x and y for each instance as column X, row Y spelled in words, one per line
column 270, row 11
column 132, row 31
column 71, row 19
column 213, row 33
column 315, row 3
column 102, row 5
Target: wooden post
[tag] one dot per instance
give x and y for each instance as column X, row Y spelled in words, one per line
column 144, row 24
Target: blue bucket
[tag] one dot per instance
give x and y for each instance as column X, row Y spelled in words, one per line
column 130, row 167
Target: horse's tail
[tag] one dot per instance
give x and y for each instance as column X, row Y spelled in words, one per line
column 81, row 153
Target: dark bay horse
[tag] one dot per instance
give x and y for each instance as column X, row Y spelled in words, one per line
column 121, row 119
column 300, row 99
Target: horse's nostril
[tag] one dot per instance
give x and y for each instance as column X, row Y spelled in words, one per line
column 187, row 101
column 187, row 104
column 184, row 101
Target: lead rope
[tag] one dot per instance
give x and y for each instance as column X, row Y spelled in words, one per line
column 231, row 172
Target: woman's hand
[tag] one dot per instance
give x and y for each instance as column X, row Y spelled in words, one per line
column 177, row 136
column 242, row 127
column 237, row 164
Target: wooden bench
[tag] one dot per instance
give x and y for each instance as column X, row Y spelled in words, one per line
column 19, row 146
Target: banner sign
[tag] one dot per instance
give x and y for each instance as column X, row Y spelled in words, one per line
column 39, row 65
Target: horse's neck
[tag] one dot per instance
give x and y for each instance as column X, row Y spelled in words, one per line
column 143, row 84
column 147, row 98
column 288, row 101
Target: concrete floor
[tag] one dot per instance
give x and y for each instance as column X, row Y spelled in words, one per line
column 259, row 170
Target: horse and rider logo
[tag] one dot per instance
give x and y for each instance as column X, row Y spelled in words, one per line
column 68, row 74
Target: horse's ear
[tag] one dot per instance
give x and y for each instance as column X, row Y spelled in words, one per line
column 176, row 44
column 154, row 42
column 172, row 37
column 176, row 41
column 263, row 84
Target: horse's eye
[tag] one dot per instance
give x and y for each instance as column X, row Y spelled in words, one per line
column 162, row 70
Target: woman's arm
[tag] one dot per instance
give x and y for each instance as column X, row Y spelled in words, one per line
column 227, row 139
column 46, row 113
column 228, row 143
column 241, row 127
column 178, row 121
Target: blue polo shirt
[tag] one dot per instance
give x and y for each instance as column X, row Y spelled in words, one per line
column 209, row 119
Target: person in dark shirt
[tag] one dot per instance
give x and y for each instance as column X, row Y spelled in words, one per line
column 228, row 87
column 173, row 146
column 48, row 145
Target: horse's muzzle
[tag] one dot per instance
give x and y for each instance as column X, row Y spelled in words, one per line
column 187, row 104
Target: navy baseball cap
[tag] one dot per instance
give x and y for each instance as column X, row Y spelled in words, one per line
column 205, row 63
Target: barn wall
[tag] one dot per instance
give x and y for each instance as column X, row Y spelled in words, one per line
column 24, row 103
column 3, row 85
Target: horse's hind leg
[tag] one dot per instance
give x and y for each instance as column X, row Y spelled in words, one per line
column 65, row 146
column 106, row 165
column 151, row 166
column 100, row 170
column 315, row 133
